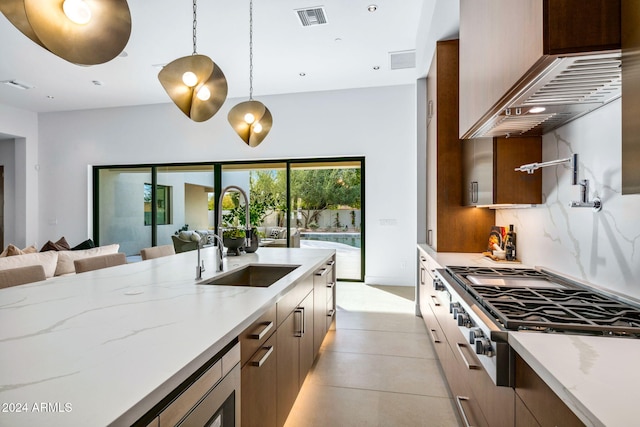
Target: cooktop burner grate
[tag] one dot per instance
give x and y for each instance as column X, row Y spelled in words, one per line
column 567, row 308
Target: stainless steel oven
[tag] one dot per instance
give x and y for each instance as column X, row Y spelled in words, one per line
column 210, row 397
column 487, row 303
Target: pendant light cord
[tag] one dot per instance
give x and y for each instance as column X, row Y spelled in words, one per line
column 195, row 23
column 250, row 50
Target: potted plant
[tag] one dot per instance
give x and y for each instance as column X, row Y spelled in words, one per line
column 233, row 239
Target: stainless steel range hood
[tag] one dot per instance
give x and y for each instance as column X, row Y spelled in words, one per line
column 566, row 87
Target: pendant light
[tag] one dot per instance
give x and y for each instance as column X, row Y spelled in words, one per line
column 251, row 119
column 84, row 32
column 195, row 83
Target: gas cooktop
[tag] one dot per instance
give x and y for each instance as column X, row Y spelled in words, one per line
column 535, row 300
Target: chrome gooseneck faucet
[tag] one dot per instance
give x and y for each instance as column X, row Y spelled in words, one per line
column 247, row 217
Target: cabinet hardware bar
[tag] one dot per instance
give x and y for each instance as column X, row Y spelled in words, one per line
column 264, row 357
column 434, row 336
column 435, row 300
column 465, row 419
column 460, row 346
column 267, row 327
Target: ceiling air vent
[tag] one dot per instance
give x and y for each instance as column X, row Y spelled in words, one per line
column 403, row 59
column 312, row 16
column 18, row 84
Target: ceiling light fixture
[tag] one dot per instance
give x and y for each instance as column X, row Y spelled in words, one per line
column 18, row 84
column 195, row 83
column 372, row 8
column 83, row 32
column 376, row 67
column 251, row 119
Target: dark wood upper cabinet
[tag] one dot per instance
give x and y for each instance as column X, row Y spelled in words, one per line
column 507, row 44
column 630, row 97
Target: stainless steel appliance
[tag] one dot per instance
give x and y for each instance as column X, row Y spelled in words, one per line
column 489, row 302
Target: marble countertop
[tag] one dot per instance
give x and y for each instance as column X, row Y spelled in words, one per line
column 103, row 347
column 594, row 376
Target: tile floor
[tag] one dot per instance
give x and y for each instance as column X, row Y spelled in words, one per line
column 378, row 368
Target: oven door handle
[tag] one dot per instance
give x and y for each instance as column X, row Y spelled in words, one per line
column 460, row 346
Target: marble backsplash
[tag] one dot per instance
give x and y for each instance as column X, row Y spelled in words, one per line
column 602, row 248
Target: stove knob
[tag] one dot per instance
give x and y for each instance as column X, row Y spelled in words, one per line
column 483, row 346
column 437, row 285
column 453, row 306
column 464, row 320
column 457, row 311
column 474, row 334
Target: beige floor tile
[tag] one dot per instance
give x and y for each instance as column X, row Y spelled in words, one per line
column 381, row 343
column 321, row 406
column 392, row 322
column 382, row 373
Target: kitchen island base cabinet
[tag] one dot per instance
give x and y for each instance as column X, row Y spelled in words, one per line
column 539, row 400
column 294, row 340
column 259, row 387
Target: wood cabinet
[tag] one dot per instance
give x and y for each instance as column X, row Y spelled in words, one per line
column 539, row 400
column 294, row 355
column 258, row 374
column 451, row 227
column 324, row 303
column 489, row 175
column 259, row 391
column 504, row 42
column 630, row 97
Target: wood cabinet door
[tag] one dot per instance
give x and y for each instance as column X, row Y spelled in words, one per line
column 288, row 364
column 259, row 390
column 305, row 348
column 523, row 417
column 320, row 279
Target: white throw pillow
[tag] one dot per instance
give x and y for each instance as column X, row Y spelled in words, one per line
column 66, row 258
column 47, row 259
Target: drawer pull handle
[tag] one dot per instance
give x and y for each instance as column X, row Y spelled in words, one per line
column 299, row 333
column 435, row 300
column 264, row 357
column 330, row 313
column 322, row 272
column 267, row 327
column 465, row 419
column 434, row 335
column 330, row 263
column 460, row 347
column 330, row 285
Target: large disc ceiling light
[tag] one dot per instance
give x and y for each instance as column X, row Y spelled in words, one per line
column 195, row 83
column 251, row 119
column 84, row 32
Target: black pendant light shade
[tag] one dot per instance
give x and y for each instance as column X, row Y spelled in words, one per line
column 84, row 32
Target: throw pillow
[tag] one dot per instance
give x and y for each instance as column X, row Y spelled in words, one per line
column 13, row 250
column 60, row 245
column 87, row 244
column 66, row 258
column 275, row 233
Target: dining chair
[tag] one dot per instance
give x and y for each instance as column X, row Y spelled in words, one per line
column 21, row 275
column 99, row 262
column 157, row 252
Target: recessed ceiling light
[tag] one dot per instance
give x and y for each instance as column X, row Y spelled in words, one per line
column 337, row 39
column 372, row 8
column 50, row 97
column 97, row 83
column 537, row 110
column 302, row 74
column 376, row 67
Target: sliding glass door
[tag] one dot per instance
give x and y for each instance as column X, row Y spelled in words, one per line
column 293, row 204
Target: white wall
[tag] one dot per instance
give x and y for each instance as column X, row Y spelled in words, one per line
column 7, row 159
column 23, row 126
column 602, row 248
column 378, row 123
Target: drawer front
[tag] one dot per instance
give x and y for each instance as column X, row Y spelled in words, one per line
column 259, row 392
column 255, row 335
column 292, row 299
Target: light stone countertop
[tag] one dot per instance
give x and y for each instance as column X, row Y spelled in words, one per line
column 103, row 347
column 594, row 376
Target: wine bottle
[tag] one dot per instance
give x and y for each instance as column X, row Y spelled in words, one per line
column 510, row 244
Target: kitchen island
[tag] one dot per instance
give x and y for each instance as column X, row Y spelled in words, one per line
column 592, row 375
column 103, row 347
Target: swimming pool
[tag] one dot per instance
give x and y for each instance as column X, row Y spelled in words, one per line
column 351, row 239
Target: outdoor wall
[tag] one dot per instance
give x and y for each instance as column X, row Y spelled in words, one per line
column 196, row 203
column 377, row 123
column 602, row 248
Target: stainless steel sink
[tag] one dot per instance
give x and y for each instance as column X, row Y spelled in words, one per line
column 261, row 276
